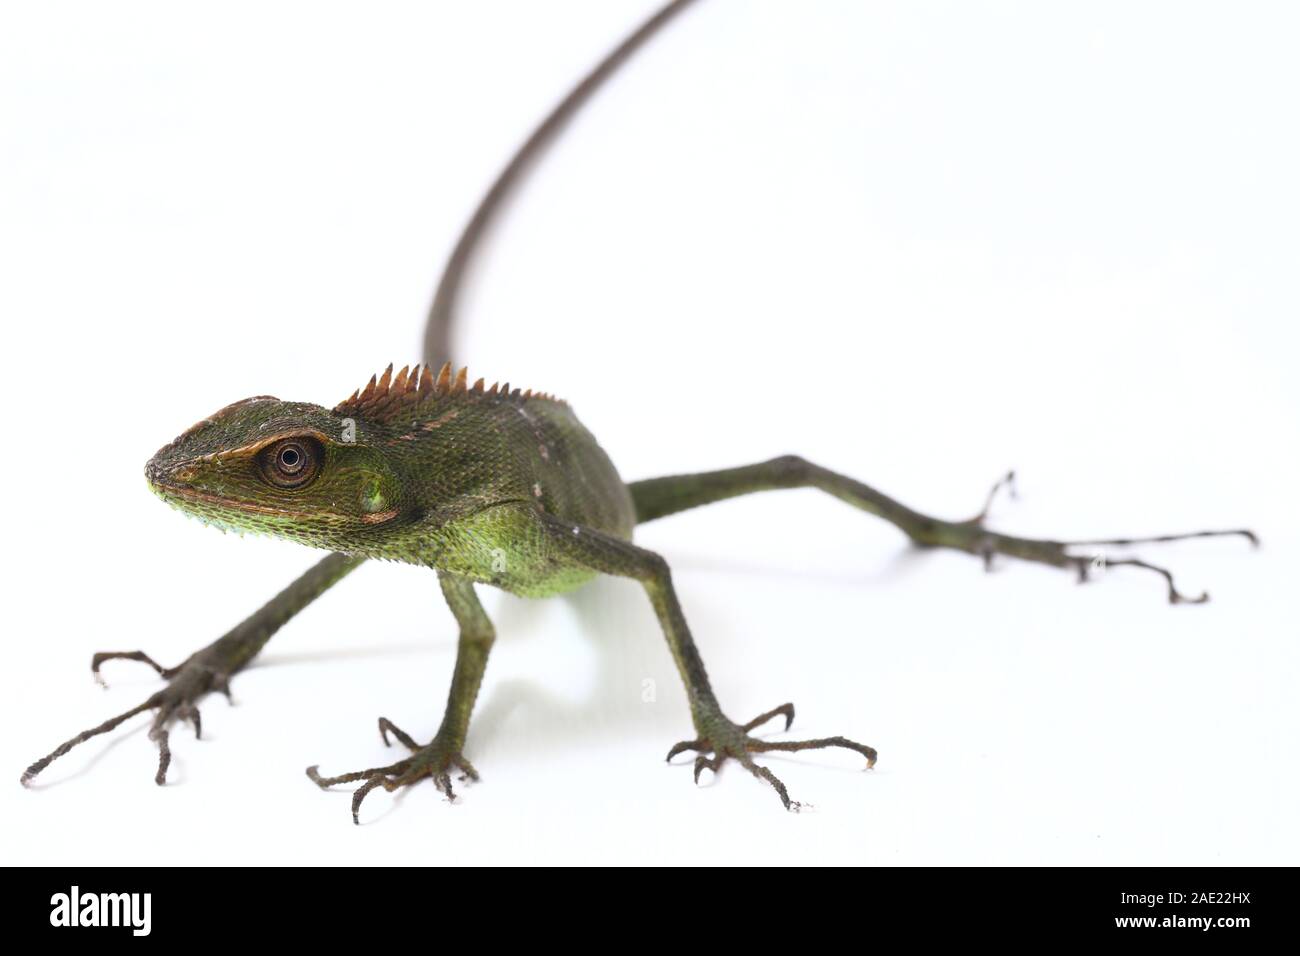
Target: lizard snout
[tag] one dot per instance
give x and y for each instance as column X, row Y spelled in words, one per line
column 163, row 471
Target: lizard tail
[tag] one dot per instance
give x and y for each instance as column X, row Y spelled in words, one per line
column 438, row 326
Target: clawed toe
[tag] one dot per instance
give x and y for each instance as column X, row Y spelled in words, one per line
column 785, row 710
column 723, row 740
column 763, row 746
column 96, row 661
column 386, row 725
column 186, row 685
column 711, row 764
column 434, row 761
column 685, row 745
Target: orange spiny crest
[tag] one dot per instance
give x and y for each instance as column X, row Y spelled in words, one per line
column 385, row 396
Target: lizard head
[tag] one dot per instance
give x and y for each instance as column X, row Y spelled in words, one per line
column 289, row 469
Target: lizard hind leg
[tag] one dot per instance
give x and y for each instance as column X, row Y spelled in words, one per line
column 658, row 497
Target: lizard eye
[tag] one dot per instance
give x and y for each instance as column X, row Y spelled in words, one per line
column 291, row 462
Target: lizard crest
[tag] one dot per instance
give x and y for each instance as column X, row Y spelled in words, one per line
column 388, row 396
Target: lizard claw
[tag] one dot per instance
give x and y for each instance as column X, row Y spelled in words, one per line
column 785, row 710
column 386, row 725
column 98, row 659
column 187, row 684
column 434, row 761
column 726, row 740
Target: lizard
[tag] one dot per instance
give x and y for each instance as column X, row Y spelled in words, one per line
column 494, row 486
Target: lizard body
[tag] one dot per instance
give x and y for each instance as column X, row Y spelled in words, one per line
column 487, row 485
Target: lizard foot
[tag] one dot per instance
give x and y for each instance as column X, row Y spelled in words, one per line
column 1084, row 556
column 435, row 761
column 201, row 673
column 722, row 738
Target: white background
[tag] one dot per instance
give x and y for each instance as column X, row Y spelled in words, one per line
column 919, row 243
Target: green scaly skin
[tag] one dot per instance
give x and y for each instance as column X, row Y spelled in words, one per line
column 486, row 487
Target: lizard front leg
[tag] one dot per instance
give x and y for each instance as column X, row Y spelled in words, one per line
column 715, row 733
column 440, row 756
column 208, row 669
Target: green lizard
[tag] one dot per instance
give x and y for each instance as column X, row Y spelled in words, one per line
column 485, row 485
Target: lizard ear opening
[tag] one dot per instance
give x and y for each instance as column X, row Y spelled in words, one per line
column 291, row 462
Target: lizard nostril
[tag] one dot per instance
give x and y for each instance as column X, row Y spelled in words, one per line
column 160, row 472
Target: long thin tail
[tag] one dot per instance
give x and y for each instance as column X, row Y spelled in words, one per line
column 437, row 329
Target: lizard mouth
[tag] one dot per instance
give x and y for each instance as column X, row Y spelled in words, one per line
column 179, row 495
column 186, row 493
column 172, row 483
